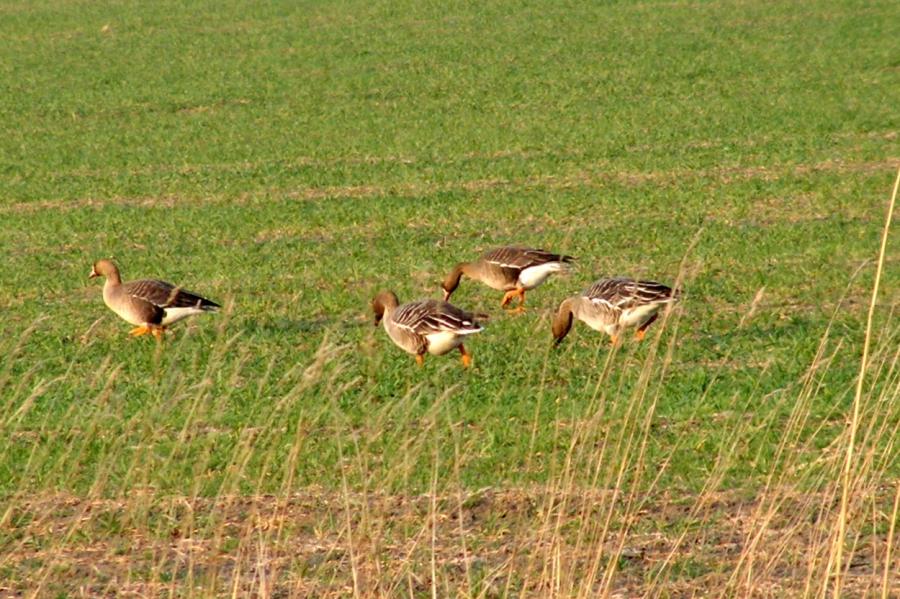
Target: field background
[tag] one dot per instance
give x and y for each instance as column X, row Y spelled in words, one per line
column 291, row 159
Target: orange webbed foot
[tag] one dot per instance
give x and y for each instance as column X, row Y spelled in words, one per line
column 515, row 293
column 507, row 297
column 640, row 334
column 466, row 357
column 138, row 331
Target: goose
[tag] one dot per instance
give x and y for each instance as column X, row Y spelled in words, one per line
column 512, row 269
column 610, row 305
column 150, row 304
column 428, row 325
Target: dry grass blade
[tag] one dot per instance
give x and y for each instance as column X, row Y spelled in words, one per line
column 846, row 490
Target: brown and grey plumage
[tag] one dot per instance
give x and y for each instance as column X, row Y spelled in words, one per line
column 150, row 304
column 422, row 326
column 610, row 305
column 514, row 270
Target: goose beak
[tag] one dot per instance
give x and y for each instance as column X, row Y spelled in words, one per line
column 446, row 295
column 93, row 274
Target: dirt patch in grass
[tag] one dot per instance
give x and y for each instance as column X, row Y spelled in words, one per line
column 497, row 542
column 594, row 176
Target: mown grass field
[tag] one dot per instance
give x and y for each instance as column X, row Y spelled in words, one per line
column 289, row 160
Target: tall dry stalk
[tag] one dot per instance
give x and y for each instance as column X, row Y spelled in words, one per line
column 839, row 540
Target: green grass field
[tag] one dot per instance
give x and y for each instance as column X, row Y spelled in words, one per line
column 289, row 160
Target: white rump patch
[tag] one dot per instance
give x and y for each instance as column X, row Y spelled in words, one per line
column 175, row 314
column 533, row 276
column 441, row 343
column 639, row 315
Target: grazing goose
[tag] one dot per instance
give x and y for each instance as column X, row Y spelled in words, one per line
column 149, row 304
column 423, row 326
column 609, row 305
column 514, row 270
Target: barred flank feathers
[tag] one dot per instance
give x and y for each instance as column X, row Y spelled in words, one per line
column 521, row 258
column 434, row 316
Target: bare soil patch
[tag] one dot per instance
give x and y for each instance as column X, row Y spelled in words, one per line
column 326, row 544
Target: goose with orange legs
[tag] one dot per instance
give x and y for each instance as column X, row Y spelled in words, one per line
column 612, row 305
column 425, row 326
column 149, row 304
column 511, row 269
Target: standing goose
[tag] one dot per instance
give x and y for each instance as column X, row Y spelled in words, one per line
column 423, row 326
column 149, row 304
column 514, row 270
column 610, row 305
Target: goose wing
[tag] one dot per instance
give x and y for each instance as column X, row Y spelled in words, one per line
column 623, row 293
column 520, row 258
column 434, row 316
column 165, row 295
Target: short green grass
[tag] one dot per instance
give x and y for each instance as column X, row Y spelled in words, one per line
column 290, row 160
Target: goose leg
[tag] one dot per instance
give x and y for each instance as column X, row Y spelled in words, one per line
column 642, row 330
column 521, row 307
column 466, row 356
column 507, row 297
column 420, row 359
column 520, row 293
column 158, row 332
